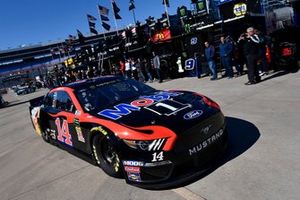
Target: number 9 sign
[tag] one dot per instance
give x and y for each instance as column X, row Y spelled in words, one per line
column 189, row 64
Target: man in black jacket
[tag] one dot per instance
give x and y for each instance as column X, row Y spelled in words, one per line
column 252, row 45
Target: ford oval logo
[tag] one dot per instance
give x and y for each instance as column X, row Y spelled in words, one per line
column 193, row 114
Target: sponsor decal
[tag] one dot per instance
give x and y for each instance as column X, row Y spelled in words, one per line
column 96, row 155
column 166, row 162
column 167, row 107
column 134, row 176
column 133, row 163
column 124, row 109
column 132, row 169
column 194, row 40
column 100, row 129
column 206, row 143
column 76, row 122
column 63, row 135
column 160, row 96
column 161, row 35
column 120, row 110
column 142, row 102
column 79, row 134
column 240, row 9
column 117, row 164
column 157, row 156
column 190, row 64
column 52, row 133
column 78, row 130
column 193, row 114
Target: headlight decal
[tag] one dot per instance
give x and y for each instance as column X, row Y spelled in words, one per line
column 146, row 145
column 156, row 144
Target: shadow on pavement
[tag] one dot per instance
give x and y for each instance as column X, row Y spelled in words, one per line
column 279, row 73
column 15, row 103
column 242, row 135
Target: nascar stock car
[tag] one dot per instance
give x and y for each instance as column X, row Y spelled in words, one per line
column 132, row 130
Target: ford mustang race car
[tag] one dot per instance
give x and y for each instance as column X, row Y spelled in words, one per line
column 132, row 130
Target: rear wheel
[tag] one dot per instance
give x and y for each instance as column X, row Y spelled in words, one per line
column 106, row 155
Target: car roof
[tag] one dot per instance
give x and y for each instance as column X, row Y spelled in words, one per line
column 93, row 81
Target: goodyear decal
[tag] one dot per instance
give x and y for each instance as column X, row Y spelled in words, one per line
column 100, row 129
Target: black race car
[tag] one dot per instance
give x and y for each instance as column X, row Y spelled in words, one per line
column 22, row 90
column 3, row 103
column 132, row 130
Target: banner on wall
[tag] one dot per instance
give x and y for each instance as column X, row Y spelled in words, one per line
column 162, row 35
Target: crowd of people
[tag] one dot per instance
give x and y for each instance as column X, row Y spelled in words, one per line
column 145, row 70
column 249, row 50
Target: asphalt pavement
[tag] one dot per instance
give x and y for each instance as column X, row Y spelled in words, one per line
column 262, row 162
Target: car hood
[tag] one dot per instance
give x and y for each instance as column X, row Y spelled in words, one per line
column 176, row 110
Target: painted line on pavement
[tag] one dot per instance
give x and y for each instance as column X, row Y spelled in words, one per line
column 187, row 194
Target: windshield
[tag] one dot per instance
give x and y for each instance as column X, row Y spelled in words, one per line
column 108, row 94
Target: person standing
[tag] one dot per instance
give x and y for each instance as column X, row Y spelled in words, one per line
column 252, row 50
column 148, row 70
column 140, row 70
column 122, row 67
column 156, row 66
column 134, row 67
column 79, row 75
column 226, row 49
column 128, row 68
column 83, row 74
column 198, row 65
column 96, row 72
column 240, row 56
column 262, row 53
column 90, row 72
column 210, row 57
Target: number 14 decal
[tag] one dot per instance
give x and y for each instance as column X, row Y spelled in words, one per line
column 63, row 133
column 158, row 156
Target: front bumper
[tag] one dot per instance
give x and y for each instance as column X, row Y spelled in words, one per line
column 177, row 165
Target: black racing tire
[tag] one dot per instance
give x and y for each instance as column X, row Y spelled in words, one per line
column 106, row 156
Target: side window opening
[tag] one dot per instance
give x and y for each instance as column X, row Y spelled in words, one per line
column 48, row 102
column 64, row 102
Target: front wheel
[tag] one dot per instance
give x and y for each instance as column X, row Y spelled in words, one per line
column 106, row 156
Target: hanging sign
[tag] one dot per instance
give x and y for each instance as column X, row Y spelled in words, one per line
column 240, row 9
